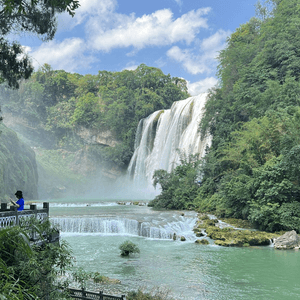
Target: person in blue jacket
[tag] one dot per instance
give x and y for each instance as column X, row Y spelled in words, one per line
column 20, row 202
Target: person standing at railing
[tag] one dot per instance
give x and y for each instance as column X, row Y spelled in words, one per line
column 20, row 202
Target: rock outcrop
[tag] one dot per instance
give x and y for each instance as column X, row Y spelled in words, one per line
column 96, row 137
column 81, row 165
column 290, row 240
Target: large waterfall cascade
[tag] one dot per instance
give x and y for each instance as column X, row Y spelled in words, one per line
column 163, row 135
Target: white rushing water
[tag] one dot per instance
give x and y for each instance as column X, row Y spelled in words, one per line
column 125, row 226
column 163, row 135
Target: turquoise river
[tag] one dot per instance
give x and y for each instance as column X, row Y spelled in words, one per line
column 95, row 228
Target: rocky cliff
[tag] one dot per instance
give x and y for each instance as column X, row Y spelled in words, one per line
column 18, row 168
column 63, row 172
column 96, row 137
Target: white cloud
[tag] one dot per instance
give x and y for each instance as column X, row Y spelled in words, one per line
column 203, row 60
column 215, row 42
column 67, row 55
column 191, row 63
column 131, row 66
column 156, row 29
column 201, row 86
column 88, row 9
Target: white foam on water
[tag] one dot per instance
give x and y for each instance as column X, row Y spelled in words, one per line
column 125, row 226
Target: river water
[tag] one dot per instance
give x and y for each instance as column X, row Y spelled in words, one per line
column 95, row 228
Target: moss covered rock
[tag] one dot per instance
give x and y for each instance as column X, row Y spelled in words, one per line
column 237, row 223
column 200, row 234
column 202, row 242
column 230, row 237
column 233, row 237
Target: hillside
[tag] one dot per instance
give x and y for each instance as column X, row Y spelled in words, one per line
column 252, row 169
column 85, row 125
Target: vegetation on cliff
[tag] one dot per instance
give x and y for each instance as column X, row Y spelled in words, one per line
column 56, row 104
column 252, row 169
column 18, row 169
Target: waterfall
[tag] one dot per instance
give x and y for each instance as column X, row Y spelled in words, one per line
column 162, row 134
column 124, row 226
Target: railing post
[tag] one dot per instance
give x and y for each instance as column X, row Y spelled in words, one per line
column 34, row 208
column 101, row 295
column 123, row 297
column 83, row 292
column 46, row 205
column 14, row 208
column 3, row 206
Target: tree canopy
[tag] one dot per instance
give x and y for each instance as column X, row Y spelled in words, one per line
column 57, row 103
column 34, row 16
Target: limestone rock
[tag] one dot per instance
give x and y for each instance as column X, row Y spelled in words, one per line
column 94, row 137
column 290, row 240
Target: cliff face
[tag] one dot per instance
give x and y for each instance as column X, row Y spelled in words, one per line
column 96, row 137
column 61, row 172
column 18, row 169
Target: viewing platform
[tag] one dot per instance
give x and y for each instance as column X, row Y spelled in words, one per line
column 10, row 216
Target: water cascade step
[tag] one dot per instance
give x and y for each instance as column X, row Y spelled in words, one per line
column 124, row 226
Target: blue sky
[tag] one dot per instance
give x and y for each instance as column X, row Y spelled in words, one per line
column 181, row 37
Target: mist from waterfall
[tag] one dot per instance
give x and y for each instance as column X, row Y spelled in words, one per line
column 163, row 135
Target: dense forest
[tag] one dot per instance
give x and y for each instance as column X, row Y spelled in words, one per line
column 56, row 103
column 252, row 169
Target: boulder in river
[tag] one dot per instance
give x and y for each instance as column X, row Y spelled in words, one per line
column 202, row 242
column 290, row 240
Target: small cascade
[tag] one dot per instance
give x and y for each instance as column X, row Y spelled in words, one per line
column 124, row 226
column 162, row 134
column 119, row 226
column 80, row 204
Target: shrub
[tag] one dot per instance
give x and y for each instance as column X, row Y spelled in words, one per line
column 128, row 247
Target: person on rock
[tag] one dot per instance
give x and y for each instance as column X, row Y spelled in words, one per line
column 20, row 202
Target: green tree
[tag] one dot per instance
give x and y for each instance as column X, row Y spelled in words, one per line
column 178, row 188
column 57, row 102
column 253, row 115
column 35, row 16
column 88, row 110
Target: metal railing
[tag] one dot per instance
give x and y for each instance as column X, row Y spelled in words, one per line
column 87, row 295
column 12, row 217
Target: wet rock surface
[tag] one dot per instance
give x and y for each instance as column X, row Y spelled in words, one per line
column 290, row 240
